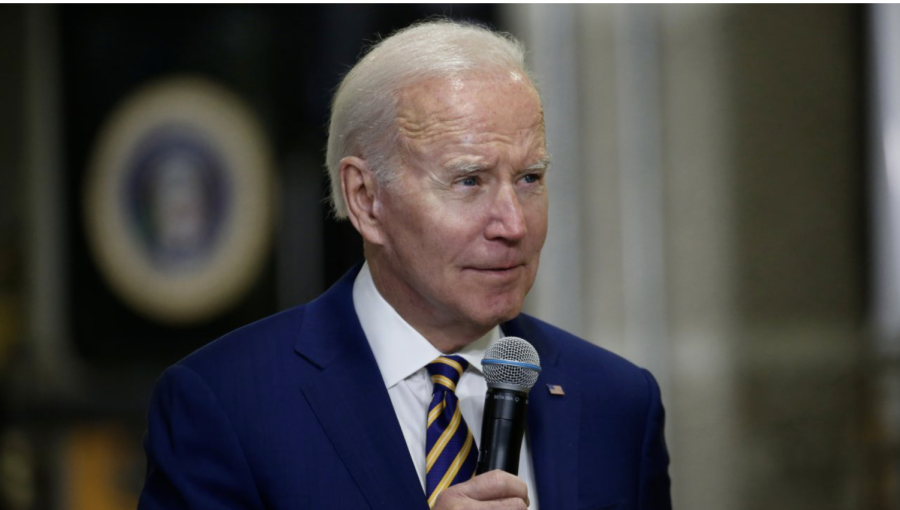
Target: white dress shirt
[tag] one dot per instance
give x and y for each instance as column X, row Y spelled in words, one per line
column 402, row 353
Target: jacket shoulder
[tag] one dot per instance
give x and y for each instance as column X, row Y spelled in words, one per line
column 591, row 365
column 249, row 347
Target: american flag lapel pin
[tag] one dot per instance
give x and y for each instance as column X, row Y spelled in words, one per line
column 555, row 389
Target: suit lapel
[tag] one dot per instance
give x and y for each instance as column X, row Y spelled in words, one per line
column 553, row 424
column 348, row 396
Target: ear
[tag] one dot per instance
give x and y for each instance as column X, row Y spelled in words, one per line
column 360, row 189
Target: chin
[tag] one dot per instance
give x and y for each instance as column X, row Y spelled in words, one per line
column 499, row 314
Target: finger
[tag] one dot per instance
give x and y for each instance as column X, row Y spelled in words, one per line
column 504, row 504
column 457, row 502
column 495, row 485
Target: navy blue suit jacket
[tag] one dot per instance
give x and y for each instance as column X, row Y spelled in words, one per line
column 291, row 412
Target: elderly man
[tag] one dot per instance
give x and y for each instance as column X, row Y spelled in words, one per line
column 437, row 156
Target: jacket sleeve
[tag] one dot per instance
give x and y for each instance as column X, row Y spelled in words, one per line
column 194, row 457
column 654, row 482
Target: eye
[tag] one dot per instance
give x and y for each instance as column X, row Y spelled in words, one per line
column 532, row 178
column 469, row 181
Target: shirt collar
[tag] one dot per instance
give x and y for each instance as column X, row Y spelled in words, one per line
column 399, row 349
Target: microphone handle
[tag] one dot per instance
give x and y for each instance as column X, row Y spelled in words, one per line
column 502, row 429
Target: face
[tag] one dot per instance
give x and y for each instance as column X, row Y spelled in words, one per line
column 463, row 227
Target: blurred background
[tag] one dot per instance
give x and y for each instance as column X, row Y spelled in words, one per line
column 725, row 211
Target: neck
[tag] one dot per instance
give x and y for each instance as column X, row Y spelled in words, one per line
column 447, row 334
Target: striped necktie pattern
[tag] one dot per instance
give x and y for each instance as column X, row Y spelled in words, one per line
column 451, row 453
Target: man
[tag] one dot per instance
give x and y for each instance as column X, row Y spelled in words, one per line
column 437, row 156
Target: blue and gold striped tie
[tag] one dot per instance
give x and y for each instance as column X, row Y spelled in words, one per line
column 451, row 451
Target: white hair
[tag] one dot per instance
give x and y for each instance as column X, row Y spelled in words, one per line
column 364, row 108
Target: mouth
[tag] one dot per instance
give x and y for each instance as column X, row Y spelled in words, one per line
column 502, row 269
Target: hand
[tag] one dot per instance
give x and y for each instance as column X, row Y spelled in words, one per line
column 497, row 490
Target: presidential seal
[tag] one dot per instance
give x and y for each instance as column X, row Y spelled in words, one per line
column 179, row 200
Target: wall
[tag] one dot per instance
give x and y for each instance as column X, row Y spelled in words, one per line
column 708, row 222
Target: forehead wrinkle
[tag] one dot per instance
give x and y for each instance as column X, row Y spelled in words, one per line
column 432, row 126
column 467, row 158
column 424, row 123
column 463, row 131
column 428, row 119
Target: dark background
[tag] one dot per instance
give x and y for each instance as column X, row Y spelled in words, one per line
column 284, row 61
column 76, row 444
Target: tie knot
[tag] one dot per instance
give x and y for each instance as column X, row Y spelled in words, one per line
column 446, row 371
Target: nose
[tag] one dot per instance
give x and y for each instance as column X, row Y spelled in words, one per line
column 507, row 220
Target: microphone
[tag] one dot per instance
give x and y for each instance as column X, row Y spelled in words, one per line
column 511, row 367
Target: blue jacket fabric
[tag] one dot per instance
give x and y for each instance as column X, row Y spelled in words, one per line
column 291, row 412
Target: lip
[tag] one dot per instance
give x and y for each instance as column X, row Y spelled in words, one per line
column 498, row 270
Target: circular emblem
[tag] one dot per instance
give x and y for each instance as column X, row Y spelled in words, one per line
column 179, row 200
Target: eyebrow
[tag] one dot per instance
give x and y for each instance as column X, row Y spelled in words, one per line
column 542, row 164
column 464, row 167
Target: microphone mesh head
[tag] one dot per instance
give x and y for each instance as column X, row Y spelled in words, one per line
column 511, row 348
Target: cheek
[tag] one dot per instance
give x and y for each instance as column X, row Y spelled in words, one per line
column 433, row 238
column 406, row 220
column 456, row 225
column 536, row 219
